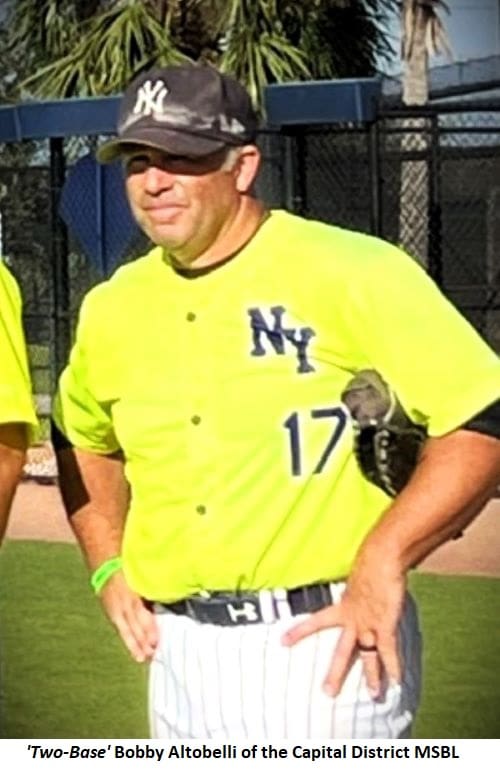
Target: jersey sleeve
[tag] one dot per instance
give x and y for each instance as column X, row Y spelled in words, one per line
column 80, row 412
column 16, row 399
column 442, row 370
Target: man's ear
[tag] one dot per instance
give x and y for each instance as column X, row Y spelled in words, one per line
column 247, row 167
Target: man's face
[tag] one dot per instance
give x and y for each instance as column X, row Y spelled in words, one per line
column 182, row 204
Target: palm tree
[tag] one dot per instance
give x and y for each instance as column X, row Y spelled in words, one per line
column 82, row 54
column 78, row 47
column 422, row 35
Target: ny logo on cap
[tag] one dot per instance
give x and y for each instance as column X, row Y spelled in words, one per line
column 150, row 98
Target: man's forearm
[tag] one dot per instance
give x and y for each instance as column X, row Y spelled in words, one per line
column 96, row 498
column 456, row 476
column 13, row 445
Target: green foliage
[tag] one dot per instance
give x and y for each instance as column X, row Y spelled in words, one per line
column 51, row 25
column 111, row 48
column 256, row 49
column 72, row 48
column 342, row 36
column 11, row 70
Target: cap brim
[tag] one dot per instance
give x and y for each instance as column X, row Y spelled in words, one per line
column 166, row 140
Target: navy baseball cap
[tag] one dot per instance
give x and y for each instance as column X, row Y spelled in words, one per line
column 191, row 110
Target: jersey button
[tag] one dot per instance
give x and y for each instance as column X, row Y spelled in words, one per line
column 196, row 420
column 201, row 509
column 191, row 316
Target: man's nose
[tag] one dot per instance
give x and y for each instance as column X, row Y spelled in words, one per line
column 156, row 180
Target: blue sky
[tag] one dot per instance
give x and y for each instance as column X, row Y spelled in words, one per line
column 473, row 28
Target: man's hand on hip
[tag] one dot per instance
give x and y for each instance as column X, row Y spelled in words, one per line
column 368, row 612
column 134, row 621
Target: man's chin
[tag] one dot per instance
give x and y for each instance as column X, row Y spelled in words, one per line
column 175, row 251
column 165, row 236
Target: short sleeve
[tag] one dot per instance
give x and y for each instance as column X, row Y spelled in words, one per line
column 81, row 411
column 443, row 371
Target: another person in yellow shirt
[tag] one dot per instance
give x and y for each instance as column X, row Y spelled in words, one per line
column 17, row 414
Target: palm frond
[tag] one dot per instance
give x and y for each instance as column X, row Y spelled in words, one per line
column 82, row 47
column 436, row 38
column 47, row 27
column 116, row 45
column 423, row 16
column 256, row 49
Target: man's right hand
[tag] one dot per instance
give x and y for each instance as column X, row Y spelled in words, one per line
column 96, row 497
column 133, row 620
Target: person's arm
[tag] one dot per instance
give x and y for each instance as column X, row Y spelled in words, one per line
column 91, row 475
column 455, row 477
column 13, row 446
column 17, row 413
column 96, row 497
column 445, row 376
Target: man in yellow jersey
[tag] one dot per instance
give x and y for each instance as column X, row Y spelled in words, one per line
column 16, row 404
column 206, row 458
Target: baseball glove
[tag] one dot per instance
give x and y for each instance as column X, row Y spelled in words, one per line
column 387, row 443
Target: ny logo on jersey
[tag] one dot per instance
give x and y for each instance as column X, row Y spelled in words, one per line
column 278, row 336
column 150, row 98
column 247, row 612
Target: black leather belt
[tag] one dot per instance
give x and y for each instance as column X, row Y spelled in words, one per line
column 263, row 607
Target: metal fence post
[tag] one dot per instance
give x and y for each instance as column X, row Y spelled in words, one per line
column 375, row 177
column 435, row 253
column 295, row 173
column 60, row 262
column 288, row 176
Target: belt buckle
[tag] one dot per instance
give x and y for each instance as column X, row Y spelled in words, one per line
column 244, row 611
column 267, row 607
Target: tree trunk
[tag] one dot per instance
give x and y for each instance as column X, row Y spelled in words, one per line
column 414, row 191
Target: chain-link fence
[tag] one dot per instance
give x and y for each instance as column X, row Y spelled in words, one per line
column 427, row 179
column 441, row 196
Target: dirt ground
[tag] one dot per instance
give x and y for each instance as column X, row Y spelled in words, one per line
column 37, row 514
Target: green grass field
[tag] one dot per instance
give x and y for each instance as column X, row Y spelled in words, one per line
column 65, row 674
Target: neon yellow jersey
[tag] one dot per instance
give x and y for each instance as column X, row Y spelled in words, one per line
column 16, row 402
column 223, row 391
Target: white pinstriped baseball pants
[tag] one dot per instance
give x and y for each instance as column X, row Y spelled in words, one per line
column 219, row 682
